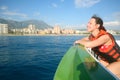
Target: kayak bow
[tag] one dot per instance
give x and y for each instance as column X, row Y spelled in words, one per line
column 79, row 64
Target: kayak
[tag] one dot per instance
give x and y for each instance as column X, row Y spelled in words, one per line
column 79, row 64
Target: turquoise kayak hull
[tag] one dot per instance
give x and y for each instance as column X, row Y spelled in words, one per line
column 78, row 64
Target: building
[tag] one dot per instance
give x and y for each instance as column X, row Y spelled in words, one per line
column 56, row 30
column 31, row 29
column 3, row 28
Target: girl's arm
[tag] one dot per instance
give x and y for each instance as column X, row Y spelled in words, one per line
column 90, row 44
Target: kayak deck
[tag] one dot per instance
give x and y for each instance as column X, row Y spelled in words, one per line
column 79, row 64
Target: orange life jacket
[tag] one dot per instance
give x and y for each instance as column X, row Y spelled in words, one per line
column 109, row 53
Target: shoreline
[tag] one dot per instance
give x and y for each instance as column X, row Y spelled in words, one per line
column 47, row 34
column 42, row 34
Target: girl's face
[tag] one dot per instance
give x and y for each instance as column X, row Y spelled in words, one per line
column 91, row 26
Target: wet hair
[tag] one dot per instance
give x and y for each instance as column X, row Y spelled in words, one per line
column 99, row 21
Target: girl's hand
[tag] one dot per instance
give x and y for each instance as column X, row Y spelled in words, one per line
column 76, row 42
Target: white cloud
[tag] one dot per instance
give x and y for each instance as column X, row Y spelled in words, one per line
column 5, row 13
column 62, row 0
column 112, row 23
column 54, row 5
column 3, row 7
column 36, row 14
column 117, row 15
column 85, row 3
column 9, row 13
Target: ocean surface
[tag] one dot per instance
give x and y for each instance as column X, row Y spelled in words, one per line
column 32, row 57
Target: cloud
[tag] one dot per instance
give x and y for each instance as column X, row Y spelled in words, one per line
column 36, row 14
column 112, row 23
column 3, row 7
column 14, row 14
column 54, row 5
column 62, row 0
column 117, row 15
column 85, row 3
column 5, row 13
column 10, row 13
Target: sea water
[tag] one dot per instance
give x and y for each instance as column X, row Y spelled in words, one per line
column 32, row 57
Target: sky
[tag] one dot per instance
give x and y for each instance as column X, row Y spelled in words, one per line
column 73, row 14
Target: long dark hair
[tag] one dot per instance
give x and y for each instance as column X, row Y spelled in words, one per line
column 99, row 21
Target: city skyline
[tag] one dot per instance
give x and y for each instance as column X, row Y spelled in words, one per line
column 74, row 13
column 32, row 30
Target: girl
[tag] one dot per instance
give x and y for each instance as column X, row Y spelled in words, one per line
column 103, row 44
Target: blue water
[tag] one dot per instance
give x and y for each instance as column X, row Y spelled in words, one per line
column 32, row 57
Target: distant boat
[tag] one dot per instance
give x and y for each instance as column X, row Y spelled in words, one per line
column 80, row 64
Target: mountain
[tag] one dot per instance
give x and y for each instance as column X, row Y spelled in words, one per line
column 16, row 24
column 39, row 24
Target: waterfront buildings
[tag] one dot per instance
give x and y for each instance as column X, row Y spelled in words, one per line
column 56, row 30
column 31, row 30
column 3, row 28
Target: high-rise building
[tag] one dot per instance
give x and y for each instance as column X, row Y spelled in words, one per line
column 57, row 29
column 31, row 29
column 3, row 28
